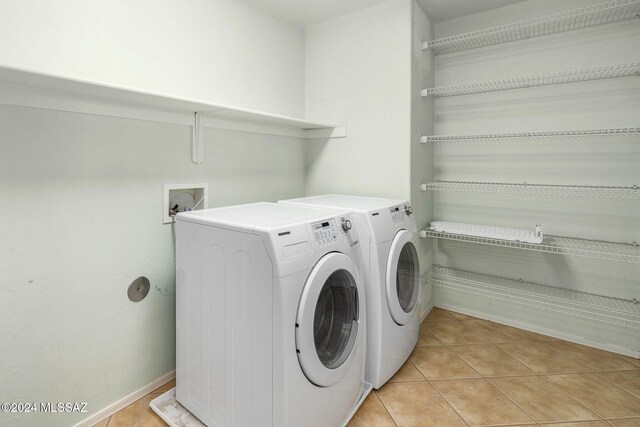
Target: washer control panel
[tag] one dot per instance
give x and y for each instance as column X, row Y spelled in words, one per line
column 329, row 231
column 398, row 214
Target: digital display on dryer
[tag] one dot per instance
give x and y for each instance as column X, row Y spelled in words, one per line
column 320, row 225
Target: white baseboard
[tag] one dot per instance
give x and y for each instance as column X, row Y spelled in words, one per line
column 426, row 311
column 544, row 331
column 126, row 401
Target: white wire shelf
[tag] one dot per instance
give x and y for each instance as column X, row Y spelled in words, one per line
column 28, row 88
column 595, row 192
column 623, row 133
column 597, row 14
column 602, row 308
column 558, row 78
column 610, row 251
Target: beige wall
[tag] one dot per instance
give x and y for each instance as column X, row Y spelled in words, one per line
column 81, row 195
column 358, row 70
column 234, row 52
column 600, row 104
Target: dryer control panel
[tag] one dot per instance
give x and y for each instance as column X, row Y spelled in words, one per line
column 398, row 214
column 330, row 231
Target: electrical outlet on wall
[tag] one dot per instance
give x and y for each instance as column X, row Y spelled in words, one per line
column 183, row 198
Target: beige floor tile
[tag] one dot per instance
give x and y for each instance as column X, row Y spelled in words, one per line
column 542, row 400
column 162, row 389
column 491, row 361
column 630, row 359
column 437, row 314
column 427, row 338
column 417, row 404
column 456, row 333
column 599, row 395
column 579, row 424
column 498, row 333
column 591, row 358
column 371, row 414
column 480, row 403
column 541, row 358
column 629, row 422
column 628, row 380
column 102, row 423
column 461, row 316
column 441, row 363
column 407, row 372
column 138, row 414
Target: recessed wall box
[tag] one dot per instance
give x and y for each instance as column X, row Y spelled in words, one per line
column 183, row 198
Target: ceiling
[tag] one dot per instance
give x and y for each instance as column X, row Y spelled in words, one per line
column 305, row 12
column 443, row 10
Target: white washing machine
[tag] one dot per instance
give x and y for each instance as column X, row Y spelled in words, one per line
column 270, row 311
column 389, row 239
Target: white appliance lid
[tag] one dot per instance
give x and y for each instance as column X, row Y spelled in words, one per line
column 348, row 202
column 258, row 216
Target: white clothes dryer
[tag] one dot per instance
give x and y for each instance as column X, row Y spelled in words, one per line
column 270, row 311
column 389, row 253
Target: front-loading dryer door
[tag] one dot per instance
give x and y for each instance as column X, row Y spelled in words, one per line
column 403, row 277
column 328, row 320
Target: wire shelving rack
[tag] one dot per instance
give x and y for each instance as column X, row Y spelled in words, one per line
column 554, row 190
column 561, row 77
column 613, row 310
column 597, row 14
column 612, row 134
column 610, row 251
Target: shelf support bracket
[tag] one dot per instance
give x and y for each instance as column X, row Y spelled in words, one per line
column 197, row 140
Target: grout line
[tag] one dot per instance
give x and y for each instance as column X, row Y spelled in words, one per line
column 544, row 377
column 463, row 361
column 540, row 373
column 417, row 369
column 512, row 401
column 598, row 374
column 633, row 360
column 487, row 379
column 448, row 403
column 385, row 408
column 566, row 357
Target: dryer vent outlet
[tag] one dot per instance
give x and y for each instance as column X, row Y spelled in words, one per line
column 183, row 198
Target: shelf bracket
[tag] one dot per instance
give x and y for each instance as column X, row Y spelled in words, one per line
column 197, row 140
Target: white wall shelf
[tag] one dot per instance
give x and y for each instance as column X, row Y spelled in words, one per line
column 616, row 134
column 558, row 78
column 617, row 311
column 610, row 251
column 554, row 190
column 597, row 14
column 27, row 88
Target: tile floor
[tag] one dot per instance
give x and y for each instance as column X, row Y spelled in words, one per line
column 471, row 372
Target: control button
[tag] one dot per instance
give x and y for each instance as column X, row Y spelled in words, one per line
column 346, row 224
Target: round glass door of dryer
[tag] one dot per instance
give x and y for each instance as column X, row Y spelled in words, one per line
column 403, row 277
column 328, row 320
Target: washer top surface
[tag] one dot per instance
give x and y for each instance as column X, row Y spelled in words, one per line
column 258, row 217
column 356, row 203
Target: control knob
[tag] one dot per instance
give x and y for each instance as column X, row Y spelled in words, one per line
column 408, row 210
column 346, row 224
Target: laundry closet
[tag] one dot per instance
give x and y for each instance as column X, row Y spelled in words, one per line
column 510, row 129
